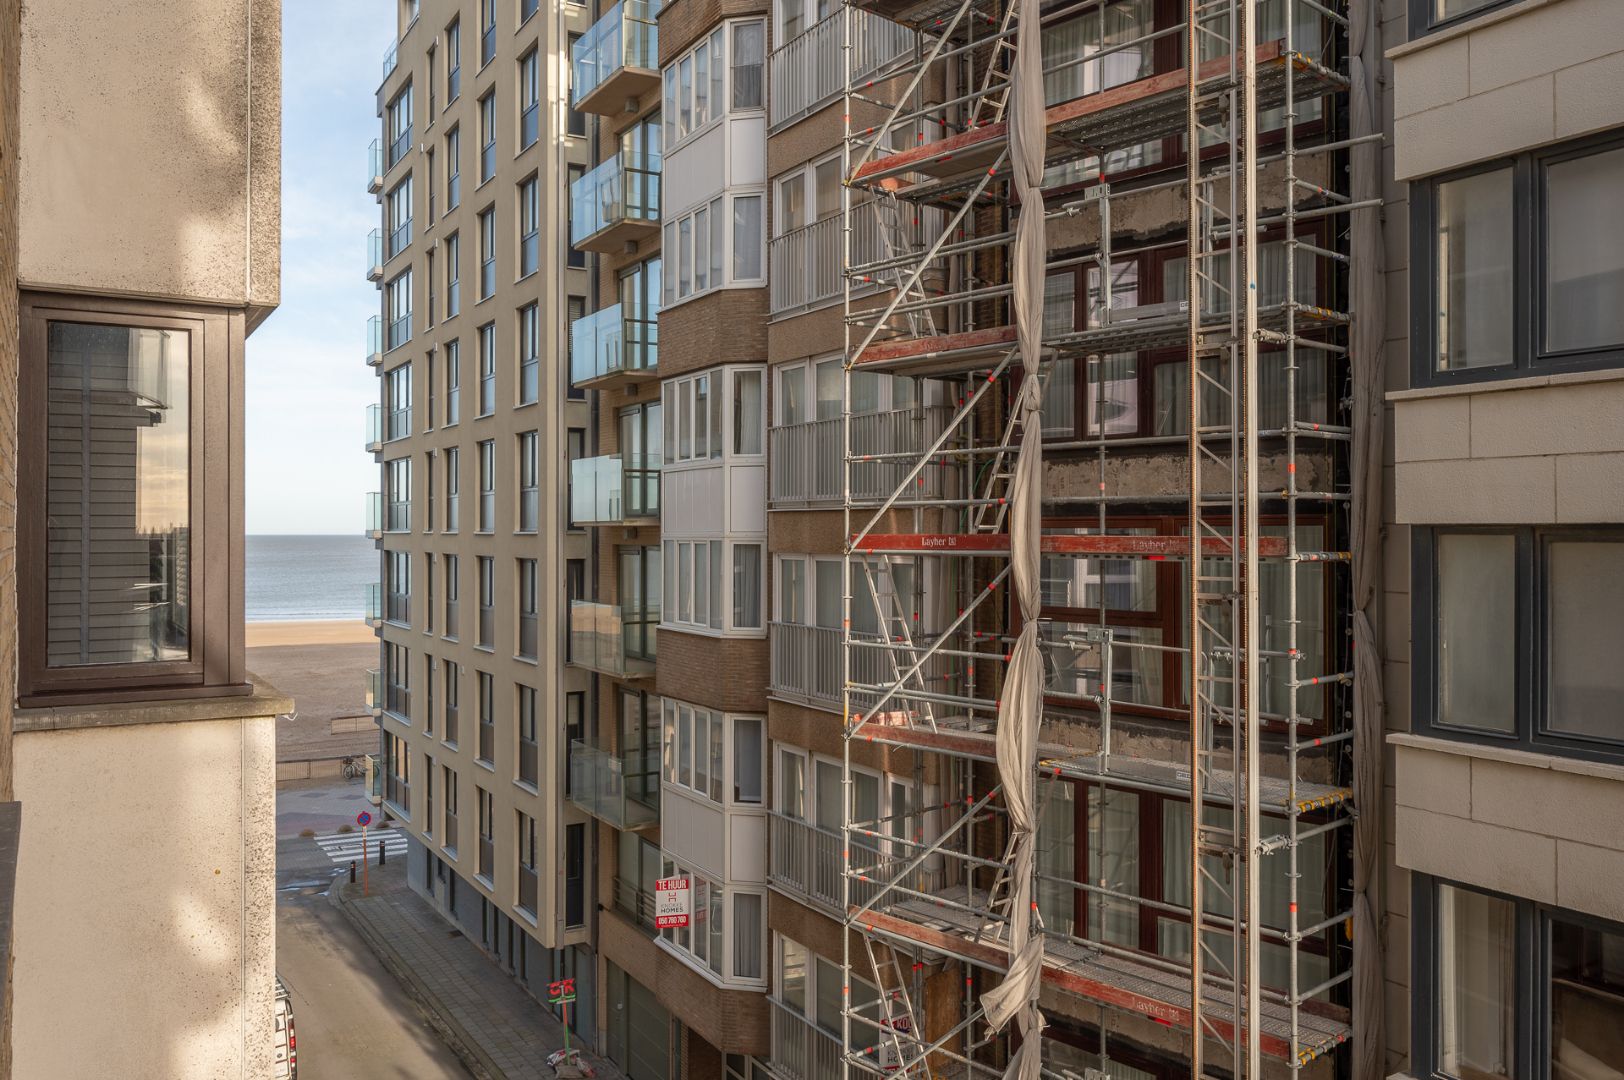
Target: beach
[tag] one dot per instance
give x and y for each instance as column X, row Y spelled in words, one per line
column 322, row 665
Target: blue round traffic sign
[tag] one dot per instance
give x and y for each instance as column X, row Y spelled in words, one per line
column 363, row 818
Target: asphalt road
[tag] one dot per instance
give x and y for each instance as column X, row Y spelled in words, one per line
column 351, row 1018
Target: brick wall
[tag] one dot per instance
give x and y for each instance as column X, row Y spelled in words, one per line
column 728, row 326
column 681, row 24
column 722, row 673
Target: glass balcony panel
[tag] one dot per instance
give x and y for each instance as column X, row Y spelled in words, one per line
column 609, row 490
column 618, row 58
column 374, row 689
column 603, row 639
column 374, row 426
column 375, row 340
column 622, row 791
column 375, row 166
column 374, row 513
column 374, row 254
column 608, row 343
column 389, row 59
column 617, row 201
column 374, row 602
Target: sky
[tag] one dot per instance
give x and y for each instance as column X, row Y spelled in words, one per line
column 308, row 384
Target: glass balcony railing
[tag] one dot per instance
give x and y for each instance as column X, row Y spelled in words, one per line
column 604, row 640
column 612, row 489
column 615, row 202
column 622, row 791
column 375, row 690
column 608, row 343
column 389, row 58
column 374, row 514
column 375, row 168
column 374, row 255
column 374, row 603
column 375, row 340
column 618, row 58
column 374, row 427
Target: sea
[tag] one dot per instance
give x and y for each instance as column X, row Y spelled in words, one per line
column 290, row 578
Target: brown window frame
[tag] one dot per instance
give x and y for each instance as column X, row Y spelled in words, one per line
column 215, row 665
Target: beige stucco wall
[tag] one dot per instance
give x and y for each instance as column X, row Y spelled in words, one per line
column 145, row 908
column 151, row 149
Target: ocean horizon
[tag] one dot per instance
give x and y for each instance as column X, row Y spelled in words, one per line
column 290, row 578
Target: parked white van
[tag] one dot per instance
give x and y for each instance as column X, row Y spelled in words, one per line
column 287, row 1046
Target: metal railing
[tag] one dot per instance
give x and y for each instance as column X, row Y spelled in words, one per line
column 624, row 792
column 805, row 265
column 635, row 903
column 804, row 662
column 608, row 342
column 604, row 640
column 374, row 513
column 375, row 340
column 374, row 254
column 801, row 1049
column 626, row 37
column 806, row 458
column 623, row 188
column 807, row 71
column 608, row 490
column 374, row 427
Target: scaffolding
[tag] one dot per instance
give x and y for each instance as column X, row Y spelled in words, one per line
column 943, row 570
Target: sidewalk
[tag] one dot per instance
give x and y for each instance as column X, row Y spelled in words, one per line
column 498, row 1030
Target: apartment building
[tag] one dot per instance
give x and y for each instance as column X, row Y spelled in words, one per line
column 139, row 248
column 475, row 421
column 1505, row 551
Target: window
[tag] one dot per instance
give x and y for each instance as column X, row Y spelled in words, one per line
column 429, row 407
column 574, row 874
column 487, row 486
column 575, row 119
column 453, row 61
column 1506, row 987
column 487, row 834
column 428, row 796
column 529, row 224
column 433, row 284
column 529, row 748
column 1429, row 15
column 711, row 413
column 529, row 608
column 574, row 312
column 487, row 253
column 451, row 681
column 487, row 31
column 1515, row 262
column 399, row 119
column 487, row 602
column 529, row 481
column 705, row 942
column 807, row 194
column 453, row 169
column 399, row 294
column 575, row 257
column 431, row 182
column 639, row 314
column 487, row 369
column 749, row 758
column 529, row 96
column 529, row 354
column 574, row 450
column 697, row 245
column 448, row 834
column 487, row 137
column 397, row 774
column 699, row 86
column 428, row 619
column 639, row 600
column 397, row 681
column 397, row 587
column 428, row 501
column 453, row 276
column 397, row 387
column 398, row 495
column 487, row 717
column 453, row 484
column 1527, row 628
column 398, row 206
column 453, row 382
column 528, row 878
column 574, row 729
column 749, row 55
column 640, row 454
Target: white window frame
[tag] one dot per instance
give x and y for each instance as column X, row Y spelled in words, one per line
column 718, row 381
column 676, row 714
column 682, row 262
column 681, row 941
column 807, row 175
column 680, row 612
column 716, row 50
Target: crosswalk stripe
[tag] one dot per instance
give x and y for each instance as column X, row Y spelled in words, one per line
column 342, row 847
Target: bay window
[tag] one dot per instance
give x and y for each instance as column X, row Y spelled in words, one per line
column 727, row 954
column 716, row 756
column 718, row 75
column 714, row 246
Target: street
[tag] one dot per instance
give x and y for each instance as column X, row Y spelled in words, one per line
column 352, row 1019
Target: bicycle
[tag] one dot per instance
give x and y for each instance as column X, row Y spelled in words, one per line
column 354, row 768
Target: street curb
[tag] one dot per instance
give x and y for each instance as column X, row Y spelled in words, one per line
column 444, row 1024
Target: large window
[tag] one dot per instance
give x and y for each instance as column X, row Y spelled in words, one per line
column 453, row 61
column 529, row 516
column 487, row 369
column 453, row 275
column 529, row 353
column 397, row 386
column 713, row 585
column 453, row 169
column 703, row 85
column 529, row 226
column 453, row 382
column 715, row 756
column 1516, row 634
column 453, row 487
column 713, row 413
column 398, row 206
column 1518, row 265
column 487, row 253
column 399, row 119
column 1429, row 15
column 487, row 486
column 486, row 750
column 452, row 686
column 1505, row 988
column 397, row 476
column 529, row 608
column 487, row 136
column 486, row 566
column 715, row 246
column 708, row 942
column 399, row 296
column 398, row 587
column 529, row 98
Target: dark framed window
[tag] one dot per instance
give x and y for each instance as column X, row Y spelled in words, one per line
column 397, row 681
column 398, row 591
column 453, row 61
column 574, row 311
column 529, row 226
column 487, row 602
column 1515, row 637
column 453, row 276
column 452, row 685
column 487, row 833
column 112, row 575
column 487, row 31
column 574, row 728
column 452, row 593
column 575, row 119
column 529, row 608
column 1428, row 16
column 574, row 874
column 487, row 137
column 430, row 666
column 487, row 486
column 453, row 169
column 487, row 718
column 453, row 382
column 529, row 747
column 529, row 481
column 529, row 98
column 487, row 369
column 453, row 487
column 1504, row 987
column 529, row 353
column 1517, row 263
column 575, row 257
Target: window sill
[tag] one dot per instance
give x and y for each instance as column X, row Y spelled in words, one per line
column 1526, row 382
column 488, row 766
column 527, row 916
column 258, row 699
column 527, row 787
column 449, row 852
column 450, row 744
column 486, row 649
column 531, row 660
column 486, row 880
column 1527, row 758
column 396, row 809
column 1469, row 24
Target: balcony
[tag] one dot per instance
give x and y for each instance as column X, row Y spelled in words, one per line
column 616, row 204
column 804, row 861
column 375, row 340
column 635, row 903
column 375, row 168
column 804, row 665
column 618, row 60
column 805, row 267
column 374, row 601
column 623, row 792
column 602, row 640
column 389, row 59
column 608, row 344
column 807, row 71
column 806, row 458
column 610, row 490
column 374, row 428
column 375, row 692
column 801, row 1050
column 375, row 258
column 375, row 514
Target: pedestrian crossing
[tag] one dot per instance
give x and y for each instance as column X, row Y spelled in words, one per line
column 343, row 847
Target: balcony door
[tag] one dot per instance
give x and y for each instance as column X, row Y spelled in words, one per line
column 640, row 454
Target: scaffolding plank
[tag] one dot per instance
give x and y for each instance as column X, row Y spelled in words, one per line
column 1153, row 547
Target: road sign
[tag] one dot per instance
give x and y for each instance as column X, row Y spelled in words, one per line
column 672, row 903
column 363, row 819
column 561, row 991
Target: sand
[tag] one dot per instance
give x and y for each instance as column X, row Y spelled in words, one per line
column 328, row 632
